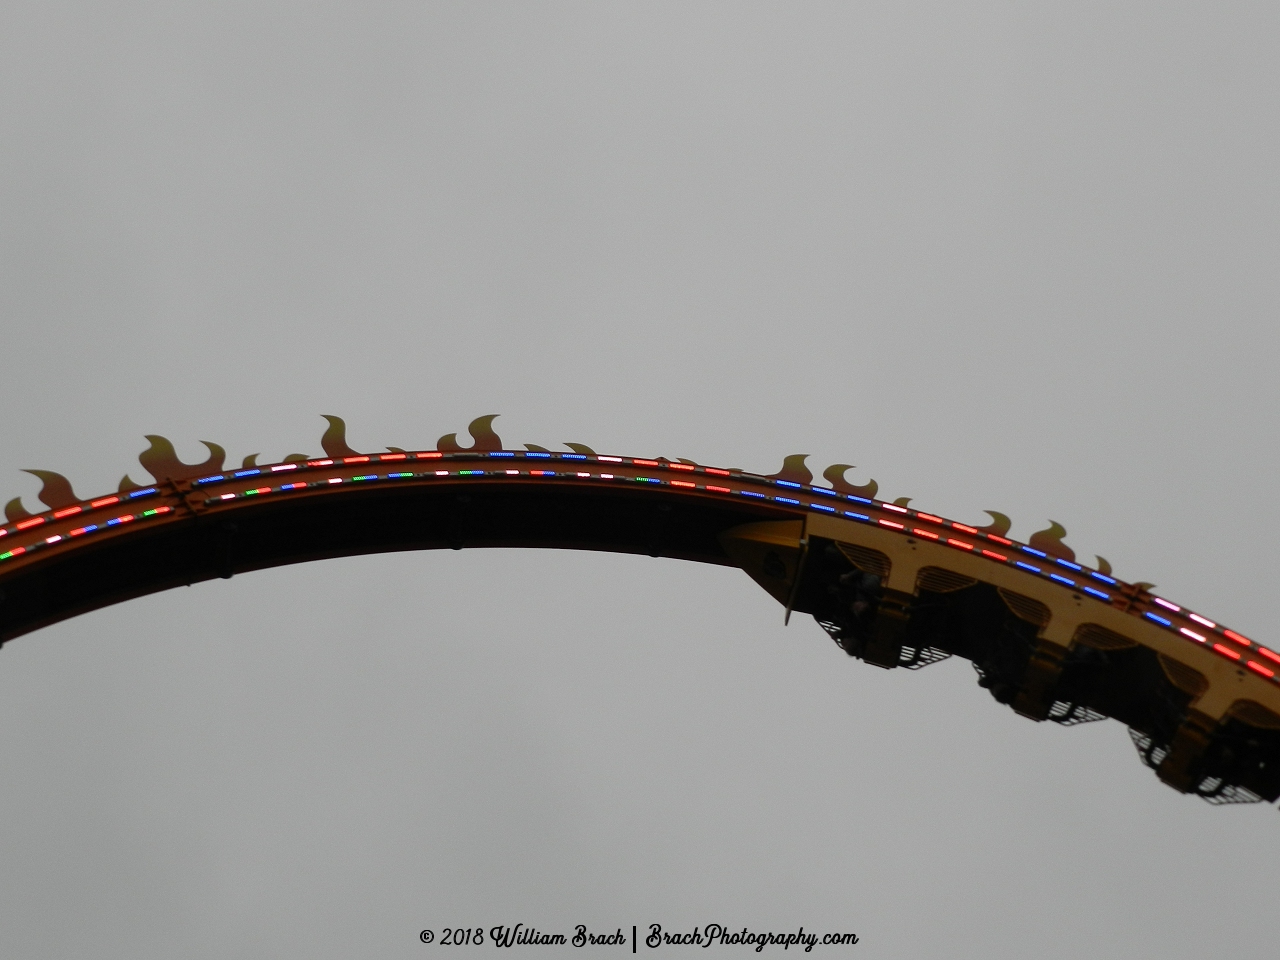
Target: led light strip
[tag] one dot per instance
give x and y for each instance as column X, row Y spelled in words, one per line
column 1164, row 622
column 64, row 512
column 81, row 531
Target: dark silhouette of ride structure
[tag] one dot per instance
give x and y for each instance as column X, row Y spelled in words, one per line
column 892, row 586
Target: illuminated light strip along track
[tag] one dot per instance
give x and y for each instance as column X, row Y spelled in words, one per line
column 1154, row 609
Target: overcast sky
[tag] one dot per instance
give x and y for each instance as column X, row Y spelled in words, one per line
column 1017, row 256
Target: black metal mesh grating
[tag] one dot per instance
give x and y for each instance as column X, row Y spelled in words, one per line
column 1070, row 714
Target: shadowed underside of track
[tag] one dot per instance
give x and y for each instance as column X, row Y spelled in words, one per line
column 362, row 522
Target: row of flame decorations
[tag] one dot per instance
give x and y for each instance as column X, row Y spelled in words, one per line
column 161, row 461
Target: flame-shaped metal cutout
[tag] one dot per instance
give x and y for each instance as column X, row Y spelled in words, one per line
column 15, row 511
column 161, row 461
column 1104, row 566
column 481, row 430
column 581, row 448
column 536, row 448
column 834, row 475
column 1050, row 541
column 902, row 501
column 126, row 485
column 793, row 469
column 1000, row 523
column 56, row 492
column 396, row 449
column 296, row 458
column 250, row 462
column 334, row 441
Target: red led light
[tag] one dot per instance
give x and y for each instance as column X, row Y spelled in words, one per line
column 718, row 472
column 77, row 531
column 104, row 501
column 1226, row 651
column 432, row 455
column 960, row 543
column 992, row 536
column 125, row 519
column 1243, row 641
column 393, row 456
column 537, row 473
column 924, row 533
column 894, row 507
column 682, row 483
column 680, row 466
column 961, row 526
column 319, row 463
column 355, row 459
column 890, row 523
column 718, row 489
column 995, row 556
column 928, row 516
column 1269, row 654
column 1259, row 668
column 59, row 514
column 33, row 522
column 645, row 463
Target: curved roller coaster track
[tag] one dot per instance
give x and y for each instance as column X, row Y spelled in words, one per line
column 893, row 586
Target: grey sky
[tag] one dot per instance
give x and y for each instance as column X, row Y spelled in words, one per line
column 996, row 255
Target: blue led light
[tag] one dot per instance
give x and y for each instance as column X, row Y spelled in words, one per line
column 648, row 480
column 859, row 499
column 856, row 516
column 787, row 483
column 1102, row 576
column 466, row 473
column 822, row 506
column 822, row 490
column 787, row 500
column 397, row 476
column 1098, row 593
column 213, row 479
column 548, row 473
column 534, row 453
column 114, row 521
column 142, row 493
column 1062, row 579
column 751, row 493
column 503, row 453
column 573, row 456
column 90, row 528
column 1027, row 566
column 1038, row 553
column 247, row 473
column 367, row 476
column 1158, row 619
column 1068, row 563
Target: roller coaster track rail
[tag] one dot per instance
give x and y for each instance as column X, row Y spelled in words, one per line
column 893, row 586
